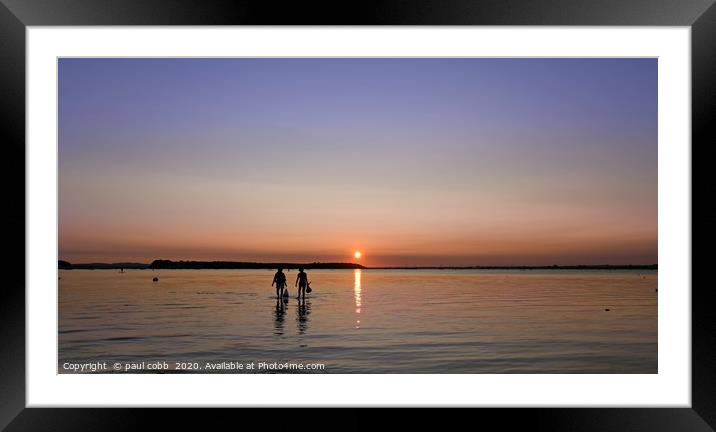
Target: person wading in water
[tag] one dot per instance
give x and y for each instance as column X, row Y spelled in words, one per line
column 301, row 282
column 280, row 280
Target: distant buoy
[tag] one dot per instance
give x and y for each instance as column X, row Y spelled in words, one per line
column 156, row 279
column 606, row 310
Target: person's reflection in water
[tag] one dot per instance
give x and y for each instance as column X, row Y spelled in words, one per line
column 278, row 316
column 304, row 309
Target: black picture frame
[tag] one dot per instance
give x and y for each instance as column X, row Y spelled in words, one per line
column 16, row 15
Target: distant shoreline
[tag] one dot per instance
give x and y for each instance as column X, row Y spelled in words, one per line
column 239, row 265
column 205, row 265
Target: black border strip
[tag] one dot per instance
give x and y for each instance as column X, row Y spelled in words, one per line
column 15, row 15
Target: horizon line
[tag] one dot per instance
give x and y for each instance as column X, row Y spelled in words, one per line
column 287, row 263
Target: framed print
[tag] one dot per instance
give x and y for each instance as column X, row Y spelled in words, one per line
column 458, row 205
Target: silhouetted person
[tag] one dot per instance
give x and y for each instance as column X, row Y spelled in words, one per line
column 280, row 280
column 301, row 282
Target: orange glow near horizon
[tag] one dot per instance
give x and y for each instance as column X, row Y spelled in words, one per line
column 119, row 219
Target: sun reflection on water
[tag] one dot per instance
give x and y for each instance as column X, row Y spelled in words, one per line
column 357, row 293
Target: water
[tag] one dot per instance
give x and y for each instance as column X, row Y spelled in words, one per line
column 369, row 321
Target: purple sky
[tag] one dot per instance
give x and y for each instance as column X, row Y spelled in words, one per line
column 412, row 161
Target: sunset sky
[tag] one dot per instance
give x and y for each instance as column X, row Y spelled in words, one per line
column 411, row 161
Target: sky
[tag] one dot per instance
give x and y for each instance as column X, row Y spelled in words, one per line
column 430, row 161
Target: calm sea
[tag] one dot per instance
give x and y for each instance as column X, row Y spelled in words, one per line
column 369, row 321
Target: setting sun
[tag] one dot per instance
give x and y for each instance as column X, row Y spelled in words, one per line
column 357, row 254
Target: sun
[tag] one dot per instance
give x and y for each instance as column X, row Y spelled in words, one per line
column 357, row 254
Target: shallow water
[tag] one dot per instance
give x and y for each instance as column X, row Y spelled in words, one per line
column 369, row 321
